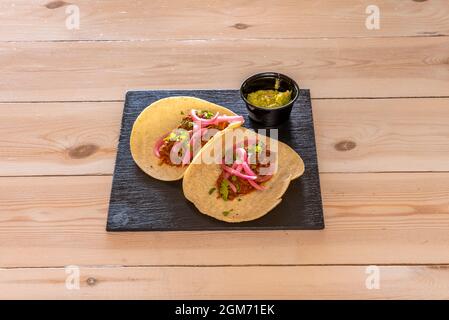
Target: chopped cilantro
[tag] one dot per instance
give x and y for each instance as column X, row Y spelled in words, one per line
column 224, row 191
column 206, row 114
column 212, row 190
column 233, row 178
column 226, row 213
column 182, row 112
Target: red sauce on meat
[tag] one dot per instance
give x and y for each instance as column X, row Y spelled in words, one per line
column 242, row 185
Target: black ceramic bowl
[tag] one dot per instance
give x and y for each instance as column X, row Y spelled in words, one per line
column 266, row 81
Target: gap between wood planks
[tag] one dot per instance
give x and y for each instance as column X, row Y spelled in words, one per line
column 123, row 101
column 108, row 266
column 330, row 68
column 228, row 39
column 392, row 220
column 331, row 282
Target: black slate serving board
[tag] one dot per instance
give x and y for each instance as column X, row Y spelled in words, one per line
column 141, row 203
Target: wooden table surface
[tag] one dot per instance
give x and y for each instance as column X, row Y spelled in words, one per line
column 381, row 109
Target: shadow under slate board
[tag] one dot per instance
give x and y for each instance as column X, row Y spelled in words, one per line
column 141, row 203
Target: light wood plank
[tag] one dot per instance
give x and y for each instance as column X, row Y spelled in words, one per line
column 81, row 138
column 234, row 19
column 370, row 218
column 61, row 138
column 258, row 282
column 382, row 135
column 80, row 71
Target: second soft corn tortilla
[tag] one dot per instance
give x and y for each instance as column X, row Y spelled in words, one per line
column 199, row 178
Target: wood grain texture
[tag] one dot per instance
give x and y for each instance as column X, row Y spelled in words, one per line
column 80, row 71
column 382, row 135
column 371, row 218
column 81, row 138
column 279, row 282
column 75, row 138
column 235, row 19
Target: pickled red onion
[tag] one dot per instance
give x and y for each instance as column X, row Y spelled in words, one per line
column 238, row 173
column 255, row 185
column 157, row 146
column 229, row 119
column 247, row 169
column 193, row 139
column 235, row 166
column 195, row 127
column 203, row 122
column 247, row 142
column 241, row 153
column 233, row 188
column 197, row 134
column 264, row 178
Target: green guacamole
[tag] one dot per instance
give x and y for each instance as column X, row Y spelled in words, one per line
column 269, row 98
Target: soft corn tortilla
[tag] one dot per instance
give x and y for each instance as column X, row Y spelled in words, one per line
column 200, row 178
column 159, row 119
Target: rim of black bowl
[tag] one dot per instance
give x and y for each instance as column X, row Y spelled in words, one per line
column 274, row 75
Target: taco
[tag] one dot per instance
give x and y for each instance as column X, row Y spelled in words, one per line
column 241, row 175
column 167, row 134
